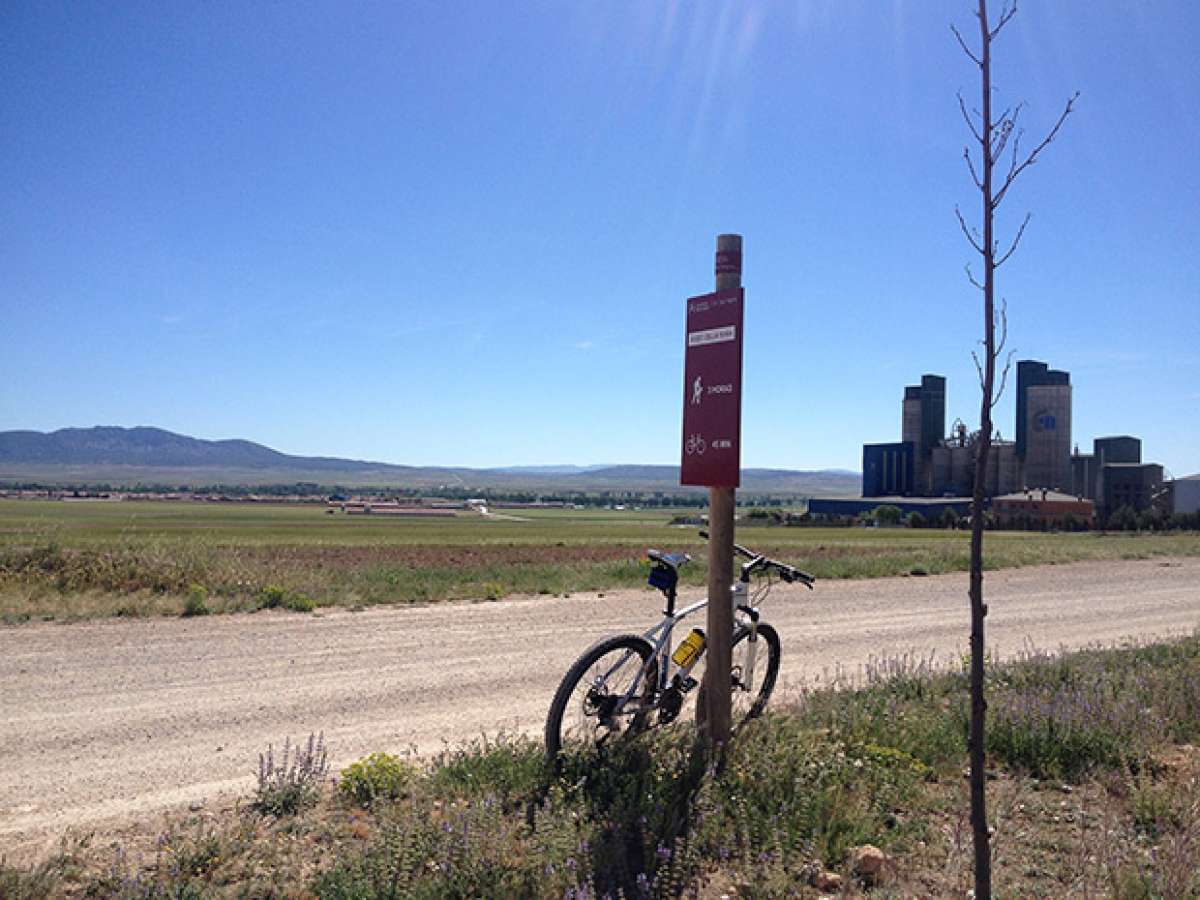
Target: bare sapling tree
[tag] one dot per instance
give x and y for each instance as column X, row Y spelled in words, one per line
column 997, row 139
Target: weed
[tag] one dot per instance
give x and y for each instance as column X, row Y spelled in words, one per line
column 275, row 597
column 379, row 776
column 196, row 603
column 507, row 767
column 29, row 884
column 1153, row 806
column 1062, row 715
column 299, row 602
column 293, row 782
column 271, row 597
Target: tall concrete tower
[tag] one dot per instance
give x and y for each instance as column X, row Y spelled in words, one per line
column 1044, row 425
column 910, row 423
column 923, row 424
column 933, row 411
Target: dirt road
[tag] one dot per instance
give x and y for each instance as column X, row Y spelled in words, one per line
column 102, row 722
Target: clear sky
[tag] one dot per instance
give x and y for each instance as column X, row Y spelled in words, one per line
column 463, row 233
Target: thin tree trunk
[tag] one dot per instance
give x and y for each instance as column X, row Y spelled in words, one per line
column 979, row 823
column 993, row 138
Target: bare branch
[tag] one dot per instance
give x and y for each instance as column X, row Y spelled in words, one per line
column 1032, row 157
column 967, row 118
column 1013, row 132
column 1000, row 141
column 1016, row 113
column 1003, row 317
column 1004, row 376
column 1005, row 14
column 971, row 166
column 971, row 276
column 1007, row 127
column 1001, row 119
column 965, row 49
column 978, row 367
column 1013, row 247
column 962, row 223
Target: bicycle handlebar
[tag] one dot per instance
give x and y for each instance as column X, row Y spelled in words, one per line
column 758, row 561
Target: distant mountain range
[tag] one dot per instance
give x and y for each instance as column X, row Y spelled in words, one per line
column 113, row 455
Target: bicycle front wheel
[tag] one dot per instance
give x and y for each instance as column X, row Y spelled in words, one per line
column 587, row 709
column 752, row 688
column 751, row 685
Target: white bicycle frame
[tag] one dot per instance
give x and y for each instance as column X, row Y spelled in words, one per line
column 659, row 637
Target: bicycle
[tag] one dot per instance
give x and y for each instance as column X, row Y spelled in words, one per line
column 628, row 683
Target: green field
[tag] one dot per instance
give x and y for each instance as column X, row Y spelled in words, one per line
column 66, row 559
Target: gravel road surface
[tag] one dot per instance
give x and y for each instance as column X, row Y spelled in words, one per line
column 108, row 721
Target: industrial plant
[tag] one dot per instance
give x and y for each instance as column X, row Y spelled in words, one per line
column 929, row 470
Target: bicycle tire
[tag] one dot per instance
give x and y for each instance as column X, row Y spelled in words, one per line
column 748, row 701
column 582, row 729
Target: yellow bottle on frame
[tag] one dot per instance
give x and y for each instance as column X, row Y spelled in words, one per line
column 689, row 650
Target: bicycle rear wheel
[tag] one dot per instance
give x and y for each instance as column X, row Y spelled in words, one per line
column 584, row 710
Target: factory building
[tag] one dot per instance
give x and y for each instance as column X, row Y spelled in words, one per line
column 1186, row 494
column 1113, row 475
column 925, row 463
column 1046, row 507
column 952, row 467
column 888, row 470
column 1004, row 469
column 1084, row 474
column 1044, row 425
column 1136, row 485
column 1087, row 469
column 924, row 426
column 932, row 509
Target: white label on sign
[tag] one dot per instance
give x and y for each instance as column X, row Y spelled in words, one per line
column 712, row 336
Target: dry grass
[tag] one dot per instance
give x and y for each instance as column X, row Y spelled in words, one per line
column 66, row 560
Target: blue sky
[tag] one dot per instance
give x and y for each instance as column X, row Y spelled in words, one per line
column 439, row 233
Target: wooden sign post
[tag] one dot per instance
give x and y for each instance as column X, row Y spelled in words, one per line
column 711, row 456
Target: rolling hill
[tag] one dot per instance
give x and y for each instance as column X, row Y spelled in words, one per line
column 124, row 456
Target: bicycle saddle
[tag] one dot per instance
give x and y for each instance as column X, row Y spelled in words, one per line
column 674, row 560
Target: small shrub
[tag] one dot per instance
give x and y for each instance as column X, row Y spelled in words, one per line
column 275, row 597
column 196, row 603
column 887, row 514
column 379, row 776
column 508, row 767
column 298, row 602
column 470, row 851
column 28, row 884
column 1066, row 728
column 1154, row 807
column 293, row 782
column 271, row 597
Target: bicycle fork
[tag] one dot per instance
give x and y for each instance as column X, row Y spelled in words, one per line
column 740, row 591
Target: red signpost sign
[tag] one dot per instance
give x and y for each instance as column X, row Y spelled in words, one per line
column 712, row 390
